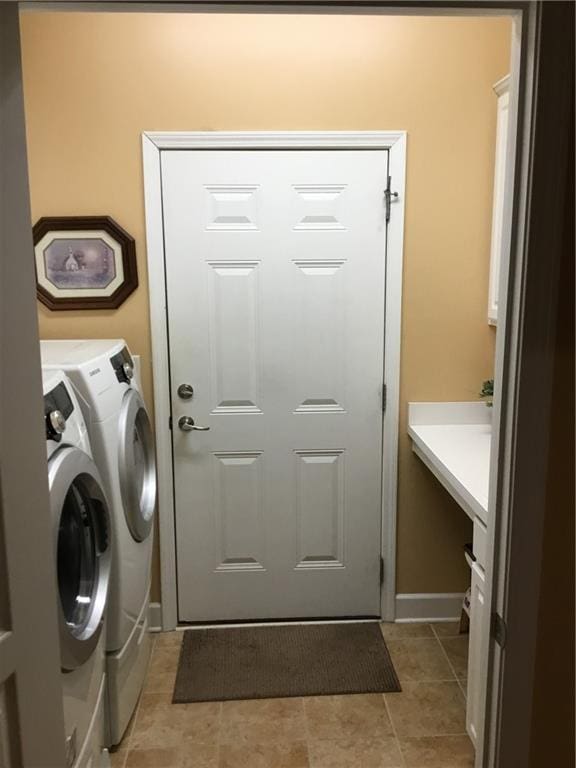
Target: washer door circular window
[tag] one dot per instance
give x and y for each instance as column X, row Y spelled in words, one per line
column 137, row 465
column 82, row 528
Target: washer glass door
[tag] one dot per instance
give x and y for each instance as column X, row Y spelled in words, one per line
column 82, row 532
column 137, row 465
column 77, row 557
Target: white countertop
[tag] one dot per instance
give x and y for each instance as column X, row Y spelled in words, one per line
column 453, row 440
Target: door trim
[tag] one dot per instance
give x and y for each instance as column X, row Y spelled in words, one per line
column 152, row 145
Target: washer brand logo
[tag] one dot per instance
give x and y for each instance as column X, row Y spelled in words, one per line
column 94, row 372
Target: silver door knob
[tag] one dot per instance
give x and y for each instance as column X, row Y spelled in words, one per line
column 185, row 391
column 186, row 424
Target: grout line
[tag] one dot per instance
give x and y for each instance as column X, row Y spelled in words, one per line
column 417, row 682
column 395, row 733
column 464, row 696
column 219, row 742
column 447, row 658
column 306, row 731
column 443, row 637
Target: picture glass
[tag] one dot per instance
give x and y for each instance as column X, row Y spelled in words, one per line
column 79, row 264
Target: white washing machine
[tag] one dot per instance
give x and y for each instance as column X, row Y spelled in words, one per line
column 122, row 443
column 82, row 541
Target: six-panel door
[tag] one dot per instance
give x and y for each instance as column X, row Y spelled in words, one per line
column 275, row 264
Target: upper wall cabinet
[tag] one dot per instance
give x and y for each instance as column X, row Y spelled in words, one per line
column 501, row 88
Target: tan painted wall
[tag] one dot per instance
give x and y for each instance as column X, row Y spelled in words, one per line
column 94, row 82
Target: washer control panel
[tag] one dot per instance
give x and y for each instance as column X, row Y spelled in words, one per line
column 123, row 366
column 58, row 406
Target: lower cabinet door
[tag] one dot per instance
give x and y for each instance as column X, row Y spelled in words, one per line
column 477, row 657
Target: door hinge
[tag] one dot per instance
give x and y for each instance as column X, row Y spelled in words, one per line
column 384, row 396
column 388, row 195
column 498, row 629
column 170, row 423
column 381, row 570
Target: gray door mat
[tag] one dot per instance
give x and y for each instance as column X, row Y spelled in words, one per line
column 283, row 661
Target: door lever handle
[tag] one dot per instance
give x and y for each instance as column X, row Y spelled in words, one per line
column 186, row 424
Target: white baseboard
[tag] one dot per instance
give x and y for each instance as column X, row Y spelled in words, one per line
column 409, row 607
column 155, row 617
column 429, row 606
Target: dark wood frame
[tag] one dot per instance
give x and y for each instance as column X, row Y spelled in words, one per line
column 78, row 223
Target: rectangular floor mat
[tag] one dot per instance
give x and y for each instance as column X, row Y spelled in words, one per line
column 277, row 662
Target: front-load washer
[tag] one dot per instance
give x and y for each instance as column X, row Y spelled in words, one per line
column 123, row 447
column 82, row 541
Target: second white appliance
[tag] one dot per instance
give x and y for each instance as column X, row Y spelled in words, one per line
column 121, row 437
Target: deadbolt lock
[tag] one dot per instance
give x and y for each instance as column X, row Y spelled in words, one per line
column 185, row 391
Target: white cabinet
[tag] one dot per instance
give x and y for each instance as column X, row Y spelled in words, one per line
column 476, row 657
column 502, row 91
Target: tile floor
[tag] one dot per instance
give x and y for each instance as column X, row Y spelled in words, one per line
column 422, row 727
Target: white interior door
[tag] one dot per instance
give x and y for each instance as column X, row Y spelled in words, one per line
column 275, row 264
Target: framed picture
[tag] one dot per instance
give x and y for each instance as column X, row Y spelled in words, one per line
column 83, row 262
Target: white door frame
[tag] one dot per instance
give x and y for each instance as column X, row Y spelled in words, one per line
column 152, row 145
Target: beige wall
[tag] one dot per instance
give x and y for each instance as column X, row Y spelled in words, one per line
column 94, row 82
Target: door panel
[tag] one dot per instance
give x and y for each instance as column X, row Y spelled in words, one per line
column 319, row 339
column 238, row 510
column 320, row 508
column 275, row 280
column 234, row 337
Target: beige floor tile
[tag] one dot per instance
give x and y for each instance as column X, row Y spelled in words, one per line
column 268, row 755
column 356, row 753
column 164, row 659
column 427, row 709
column 118, row 754
column 157, row 757
column 347, row 717
column 168, row 639
column 124, row 742
column 163, row 724
column 118, row 758
column 419, row 660
column 185, row 756
column 392, row 631
column 160, row 682
column 438, row 752
column 261, row 721
column 200, row 756
column 456, row 649
column 161, row 674
column 447, row 628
